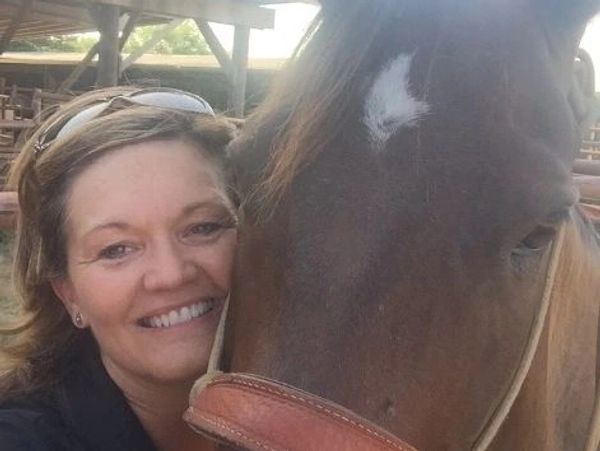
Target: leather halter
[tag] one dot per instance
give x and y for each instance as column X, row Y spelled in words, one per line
column 260, row 414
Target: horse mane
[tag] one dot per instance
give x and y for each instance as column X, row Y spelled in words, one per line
column 315, row 92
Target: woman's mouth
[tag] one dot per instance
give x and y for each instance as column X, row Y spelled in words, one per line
column 179, row 315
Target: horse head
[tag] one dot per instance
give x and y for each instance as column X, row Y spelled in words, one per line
column 402, row 187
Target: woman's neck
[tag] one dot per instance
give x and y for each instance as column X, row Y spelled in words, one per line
column 160, row 407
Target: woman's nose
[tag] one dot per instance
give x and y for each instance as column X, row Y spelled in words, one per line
column 169, row 267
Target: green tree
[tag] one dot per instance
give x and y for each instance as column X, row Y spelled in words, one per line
column 69, row 43
column 186, row 39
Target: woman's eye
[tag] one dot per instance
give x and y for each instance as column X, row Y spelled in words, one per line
column 203, row 232
column 115, row 251
column 205, row 228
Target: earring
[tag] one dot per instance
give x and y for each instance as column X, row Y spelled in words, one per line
column 79, row 320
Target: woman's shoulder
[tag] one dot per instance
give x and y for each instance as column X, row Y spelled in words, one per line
column 32, row 423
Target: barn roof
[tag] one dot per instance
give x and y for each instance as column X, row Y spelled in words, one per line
column 29, row 18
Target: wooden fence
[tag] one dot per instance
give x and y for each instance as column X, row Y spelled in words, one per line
column 20, row 110
column 590, row 149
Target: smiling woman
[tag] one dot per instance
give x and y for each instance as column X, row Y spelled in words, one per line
column 125, row 246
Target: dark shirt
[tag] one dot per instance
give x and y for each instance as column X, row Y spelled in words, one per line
column 85, row 411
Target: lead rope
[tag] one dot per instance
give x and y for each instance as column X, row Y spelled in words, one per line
column 212, row 369
column 489, row 433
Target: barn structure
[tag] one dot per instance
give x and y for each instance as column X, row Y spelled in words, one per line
column 116, row 19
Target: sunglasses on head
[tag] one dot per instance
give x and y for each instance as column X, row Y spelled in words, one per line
column 167, row 98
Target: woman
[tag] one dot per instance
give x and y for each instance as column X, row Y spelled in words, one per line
column 125, row 245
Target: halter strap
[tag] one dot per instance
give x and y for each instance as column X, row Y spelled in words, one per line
column 492, row 427
column 260, row 414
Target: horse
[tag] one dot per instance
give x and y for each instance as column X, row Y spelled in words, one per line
column 410, row 244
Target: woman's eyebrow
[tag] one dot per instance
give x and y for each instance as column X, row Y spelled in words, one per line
column 212, row 203
column 108, row 225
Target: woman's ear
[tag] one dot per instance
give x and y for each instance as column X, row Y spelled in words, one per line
column 63, row 289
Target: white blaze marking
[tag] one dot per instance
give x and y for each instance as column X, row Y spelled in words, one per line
column 389, row 104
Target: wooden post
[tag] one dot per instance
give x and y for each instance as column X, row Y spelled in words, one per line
column 248, row 13
column 107, row 17
column 239, row 59
column 80, row 68
column 36, row 104
column 13, row 94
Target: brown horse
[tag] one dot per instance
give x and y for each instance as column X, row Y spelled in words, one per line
column 402, row 188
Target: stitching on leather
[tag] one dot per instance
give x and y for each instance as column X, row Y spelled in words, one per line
column 321, row 407
column 224, row 426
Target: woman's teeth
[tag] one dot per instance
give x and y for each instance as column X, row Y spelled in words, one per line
column 179, row 316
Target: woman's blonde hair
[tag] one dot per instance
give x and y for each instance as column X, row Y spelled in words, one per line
column 39, row 336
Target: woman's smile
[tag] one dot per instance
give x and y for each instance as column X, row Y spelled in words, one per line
column 182, row 315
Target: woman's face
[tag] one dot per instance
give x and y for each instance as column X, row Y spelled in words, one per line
column 150, row 244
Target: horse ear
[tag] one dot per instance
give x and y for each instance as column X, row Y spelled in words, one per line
column 565, row 22
column 568, row 16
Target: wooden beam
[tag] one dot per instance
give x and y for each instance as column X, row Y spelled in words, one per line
column 54, row 11
column 216, row 48
column 128, row 27
column 82, row 66
column 16, row 124
column 48, row 32
column 79, row 70
column 15, row 24
column 30, row 21
column 271, row 2
column 107, row 18
column 587, row 167
column 40, row 27
column 241, row 41
column 47, row 18
column 589, row 187
column 154, row 39
column 234, row 12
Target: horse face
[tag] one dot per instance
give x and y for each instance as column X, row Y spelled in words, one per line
column 401, row 270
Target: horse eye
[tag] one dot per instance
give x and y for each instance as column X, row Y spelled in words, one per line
column 542, row 235
column 538, row 239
